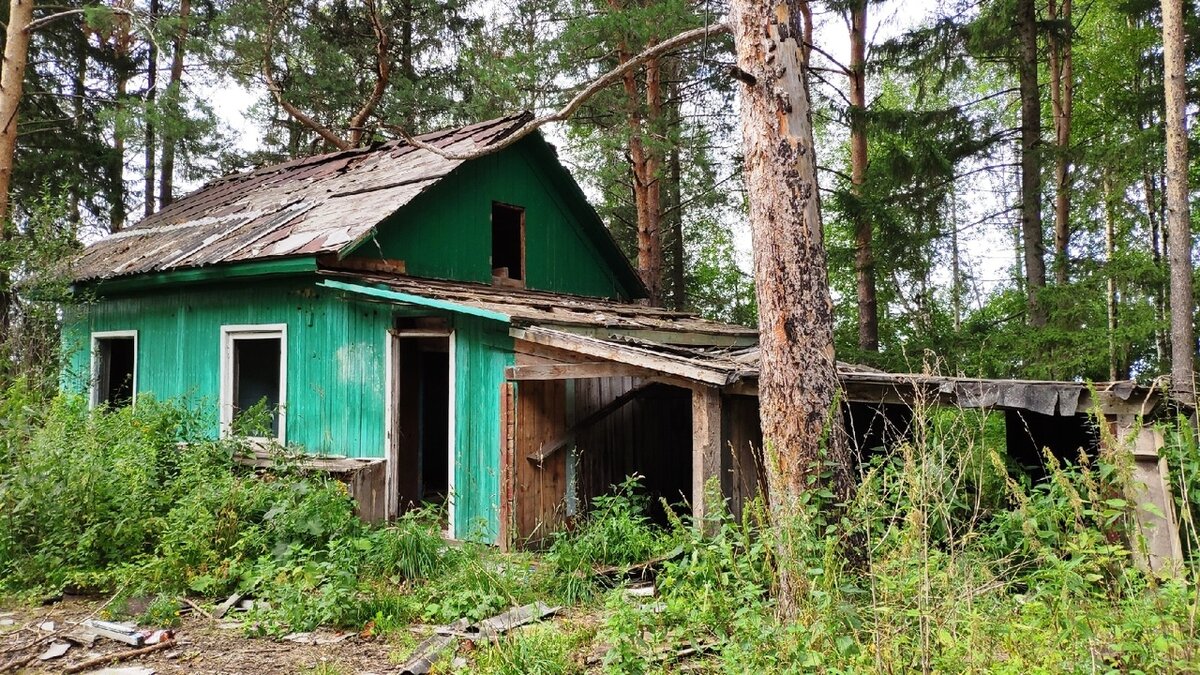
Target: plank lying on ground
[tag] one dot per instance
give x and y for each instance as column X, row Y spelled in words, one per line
column 638, row 569
column 427, row 653
column 513, row 618
column 118, row 657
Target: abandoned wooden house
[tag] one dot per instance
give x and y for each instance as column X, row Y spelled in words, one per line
column 465, row 332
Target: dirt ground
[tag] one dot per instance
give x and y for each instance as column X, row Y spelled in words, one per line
column 201, row 646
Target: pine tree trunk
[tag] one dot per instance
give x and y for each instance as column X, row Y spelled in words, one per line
column 645, row 200
column 1062, row 94
column 12, row 82
column 675, row 173
column 1179, row 243
column 151, row 152
column 166, row 192
column 1115, row 369
column 653, row 180
column 864, row 255
column 1031, row 176
column 798, row 377
column 1161, row 344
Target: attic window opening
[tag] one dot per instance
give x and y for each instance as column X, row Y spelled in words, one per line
column 508, row 242
column 114, row 368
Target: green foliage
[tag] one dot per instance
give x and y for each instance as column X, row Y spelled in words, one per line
column 945, row 560
column 615, row 532
column 538, row 650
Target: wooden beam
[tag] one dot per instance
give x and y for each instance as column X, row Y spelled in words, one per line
column 386, row 265
column 1156, row 545
column 574, row 371
column 553, row 446
column 635, row 356
column 669, row 337
column 706, row 451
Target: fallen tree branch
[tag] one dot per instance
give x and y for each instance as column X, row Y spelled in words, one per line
column 198, row 608
column 118, row 657
column 611, row 77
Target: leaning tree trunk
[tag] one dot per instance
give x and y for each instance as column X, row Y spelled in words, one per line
column 864, row 252
column 1031, row 169
column 12, row 80
column 798, row 382
column 1179, row 236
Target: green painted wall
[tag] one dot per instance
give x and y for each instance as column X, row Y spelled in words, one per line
column 446, row 232
column 335, row 354
column 482, row 349
column 336, row 371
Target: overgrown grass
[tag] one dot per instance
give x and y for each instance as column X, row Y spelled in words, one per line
column 944, row 561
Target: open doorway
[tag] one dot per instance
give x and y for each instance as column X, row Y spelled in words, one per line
column 422, row 415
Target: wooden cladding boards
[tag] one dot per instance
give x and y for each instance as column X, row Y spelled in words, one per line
column 649, row 436
column 335, row 354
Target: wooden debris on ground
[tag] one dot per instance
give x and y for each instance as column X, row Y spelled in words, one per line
column 118, row 657
column 643, row 570
column 444, row 637
column 223, row 608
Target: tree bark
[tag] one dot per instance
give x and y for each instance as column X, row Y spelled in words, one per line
column 1062, row 94
column 166, row 191
column 1116, row 371
column 675, row 192
column 798, row 383
column 1179, row 242
column 644, row 168
column 864, row 254
column 122, row 46
column 1031, row 176
column 151, row 152
column 12, row 82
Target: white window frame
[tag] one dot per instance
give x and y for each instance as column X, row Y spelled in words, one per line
column 94, row 364
column 257, row 331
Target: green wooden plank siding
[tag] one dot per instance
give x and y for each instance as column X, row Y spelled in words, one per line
column 446, row 232
column 335, row 354
column 336, row 371
column 482, row 349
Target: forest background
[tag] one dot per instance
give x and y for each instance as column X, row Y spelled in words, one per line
column 939, row 242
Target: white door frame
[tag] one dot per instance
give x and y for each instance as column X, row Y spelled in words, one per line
column 392, row 416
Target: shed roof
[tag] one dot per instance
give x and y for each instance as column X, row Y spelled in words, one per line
column 688, row 347
column 326, row 204
column 526, row 307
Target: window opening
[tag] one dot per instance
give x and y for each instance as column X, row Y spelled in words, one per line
column 508, row 242
column 116, row 359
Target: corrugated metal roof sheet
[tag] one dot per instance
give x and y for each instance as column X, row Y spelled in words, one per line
column 307, row 206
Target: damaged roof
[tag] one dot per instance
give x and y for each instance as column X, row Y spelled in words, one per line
column 738, row 367
column 311, row 206
column 526, row 307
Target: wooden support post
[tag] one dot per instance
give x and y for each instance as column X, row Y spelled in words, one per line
column 1150, row 491
column 706, row 449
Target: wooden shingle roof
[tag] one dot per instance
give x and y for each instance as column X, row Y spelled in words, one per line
column 311, row 206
